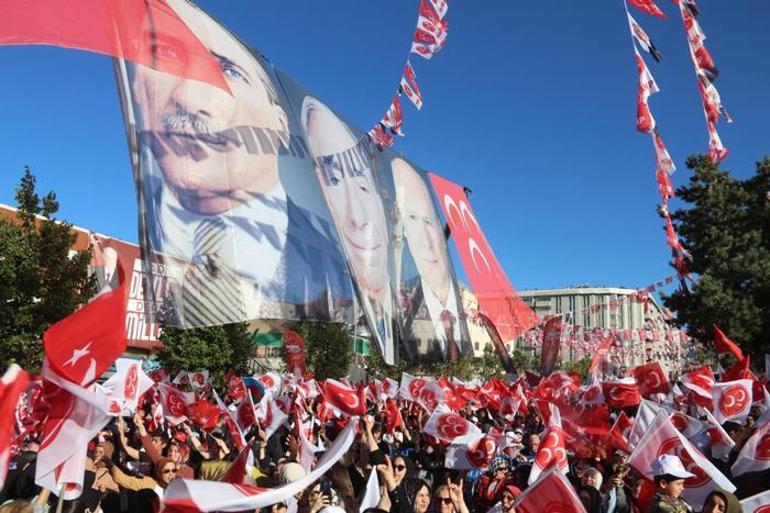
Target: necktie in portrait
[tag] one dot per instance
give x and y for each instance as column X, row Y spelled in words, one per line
column 211, row 289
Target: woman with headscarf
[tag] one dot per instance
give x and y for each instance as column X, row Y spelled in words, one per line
column 489, row 487
column 720, row 501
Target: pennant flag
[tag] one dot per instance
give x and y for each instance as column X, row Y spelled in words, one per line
column 497, row 298
column 184, row 495
column 346, row 400
column 432, row 32
column 755, row 454
column 126, row 30
column 663, row 438
column 643, row 39
column 649, row 7
column 663, row 158
column 128, row 383
column 652, row 379
column 722, row 344
column 645, row 123
column 448, row 426
column 83, row 345
column 394, row 117
column 732, row 400
column 759, row 503
column 409, row 86
column 552, row 492
column 379, row 136
column 12, row 385
column 425, row 51
column 440, row 7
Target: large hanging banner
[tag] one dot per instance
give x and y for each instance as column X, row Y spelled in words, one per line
column 266, row 204
column 497, row 297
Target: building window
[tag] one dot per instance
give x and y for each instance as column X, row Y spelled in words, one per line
column 476, row 345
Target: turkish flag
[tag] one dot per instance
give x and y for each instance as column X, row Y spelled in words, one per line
column 722, row 344
column 619, row 432
column 83, row 345
column 551, row 493
column 346, row 400
column 649, row 7
column 12, row 385
column 732, row 400
column 203, row 413
column 652, row 379
column 497, row 298
column 622, row 393
column 150, row 33
column 393, row 417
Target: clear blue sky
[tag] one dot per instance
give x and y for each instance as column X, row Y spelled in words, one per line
column 531, row 105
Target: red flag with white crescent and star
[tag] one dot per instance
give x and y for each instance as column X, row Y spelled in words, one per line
column 83, row 345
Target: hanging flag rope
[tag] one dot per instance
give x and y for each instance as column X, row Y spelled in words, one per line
column 428, row 39
column 645, row 123
column 706, row 73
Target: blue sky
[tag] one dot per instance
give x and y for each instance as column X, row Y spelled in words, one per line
column 531, row 105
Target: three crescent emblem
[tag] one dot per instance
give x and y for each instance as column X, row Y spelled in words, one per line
column 734, row 400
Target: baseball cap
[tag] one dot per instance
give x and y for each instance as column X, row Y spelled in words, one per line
column 670, row 465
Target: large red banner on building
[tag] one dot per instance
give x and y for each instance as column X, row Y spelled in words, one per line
column 497, row 297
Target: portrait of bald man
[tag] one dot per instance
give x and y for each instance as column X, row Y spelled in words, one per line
column 434, row 286
column 215, row 212
column 353, row 197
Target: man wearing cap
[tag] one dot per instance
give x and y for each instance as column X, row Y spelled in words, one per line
column 669, row 480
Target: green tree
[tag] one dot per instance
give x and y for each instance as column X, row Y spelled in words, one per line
column 726, row 228
column 217, row 348
column 328, row 348
column 41, row 282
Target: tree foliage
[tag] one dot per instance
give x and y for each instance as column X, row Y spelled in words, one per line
column 726, row 228
column 328, row 349
column 217, row 348
column 41, row 282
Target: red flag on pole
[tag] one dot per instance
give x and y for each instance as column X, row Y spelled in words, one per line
column 722, row 344
column 83, row 345
column 649, row 7
column 149, row 33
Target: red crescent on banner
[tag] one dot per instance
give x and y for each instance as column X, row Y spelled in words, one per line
column 415, row 387
column 132, row 383
column 733, row 401
column 451, row 425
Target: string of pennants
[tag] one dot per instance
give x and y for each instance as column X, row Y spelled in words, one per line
column 706, row 72
column 428, row 39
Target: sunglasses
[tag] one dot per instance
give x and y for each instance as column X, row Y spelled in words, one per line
column 399, row 467
column 444, row 500
column 168, row 470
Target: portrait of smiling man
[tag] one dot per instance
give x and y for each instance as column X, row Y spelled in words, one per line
column 434, row 287
column 356, row 206
column 234, row 245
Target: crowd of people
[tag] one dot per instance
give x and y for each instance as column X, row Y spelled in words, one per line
column 134, row 459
